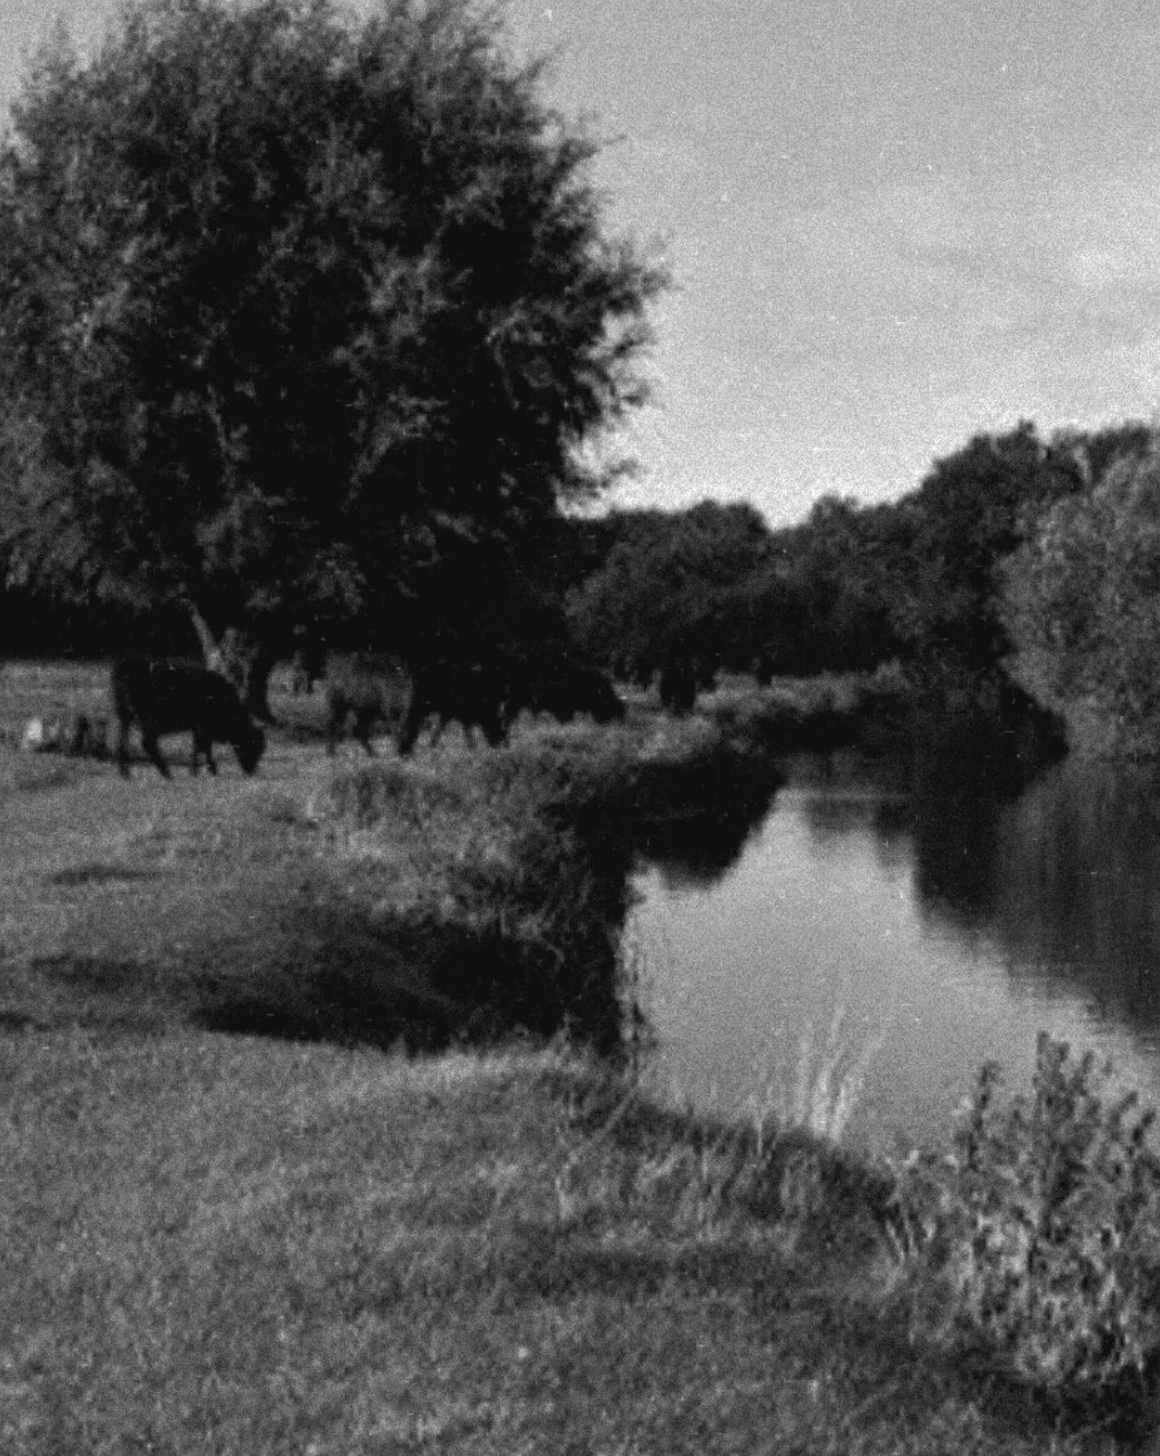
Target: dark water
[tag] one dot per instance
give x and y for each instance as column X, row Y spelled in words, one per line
column 887, row 928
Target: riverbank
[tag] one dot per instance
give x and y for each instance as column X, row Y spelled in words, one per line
column 240, row 1245
column 453, row 898
column 295, row 1242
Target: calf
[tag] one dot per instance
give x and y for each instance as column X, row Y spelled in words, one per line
column 163, row 696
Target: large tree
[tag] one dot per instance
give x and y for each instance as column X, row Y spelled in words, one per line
column 294, row 309
column 974, row 509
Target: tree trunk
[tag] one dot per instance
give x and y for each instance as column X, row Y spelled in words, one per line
column 210, row 650
column 255, row 694
column 244, row 658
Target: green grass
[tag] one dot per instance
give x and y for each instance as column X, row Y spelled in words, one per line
column 242, row 1244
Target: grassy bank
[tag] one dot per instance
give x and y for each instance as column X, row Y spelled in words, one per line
column 452, row 898
column 307, row 1241
column 242, row 1246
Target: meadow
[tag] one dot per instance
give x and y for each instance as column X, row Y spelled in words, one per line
column 303, row 1153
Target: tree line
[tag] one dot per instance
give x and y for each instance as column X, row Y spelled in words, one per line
column 1033, row 556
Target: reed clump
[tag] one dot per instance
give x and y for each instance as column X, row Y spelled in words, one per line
column 1036, row 1238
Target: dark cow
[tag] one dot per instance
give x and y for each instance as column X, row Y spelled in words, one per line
column 164, row 696
column 473, row 694
column 367, row 688
column 565, row 686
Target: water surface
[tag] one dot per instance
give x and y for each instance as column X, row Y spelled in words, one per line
column 888, row 927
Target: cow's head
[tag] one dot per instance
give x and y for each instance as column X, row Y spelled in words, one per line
column 603, row 701
column 250, row 746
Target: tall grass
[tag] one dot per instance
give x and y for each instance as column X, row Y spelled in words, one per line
column 526, row 851
column 830, row 1073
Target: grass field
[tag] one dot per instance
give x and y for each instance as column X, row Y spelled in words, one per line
column 257, row 1245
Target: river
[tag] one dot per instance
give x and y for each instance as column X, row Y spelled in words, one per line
column 886, row 928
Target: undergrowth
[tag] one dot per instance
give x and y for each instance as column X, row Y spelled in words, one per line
column 1037, row 1236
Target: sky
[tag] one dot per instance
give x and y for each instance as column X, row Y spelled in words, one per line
column 891, row 224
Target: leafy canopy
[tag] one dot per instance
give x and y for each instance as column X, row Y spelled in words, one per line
column 290, row 301
column 1082, row 606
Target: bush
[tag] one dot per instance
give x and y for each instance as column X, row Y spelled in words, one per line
column 1043, row 1224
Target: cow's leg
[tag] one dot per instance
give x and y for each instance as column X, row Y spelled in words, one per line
column 364, row 720
column 153, row 749
column 123, row 748
column 412, row 722
column 335, row 722
column 203, row 748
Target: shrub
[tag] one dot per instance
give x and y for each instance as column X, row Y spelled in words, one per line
column 1043, row 1224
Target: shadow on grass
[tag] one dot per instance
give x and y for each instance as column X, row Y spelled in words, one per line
column 38, row 779
column 12, row 1021
column 100, row 874
column 391, row 979
column 104, row 975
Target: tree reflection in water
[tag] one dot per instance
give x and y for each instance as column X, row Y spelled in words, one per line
column 953, row 906
column 1062, row 873
column 695, row 852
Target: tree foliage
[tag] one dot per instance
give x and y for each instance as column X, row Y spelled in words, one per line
column 293, row 307
column 666, row 589
column 826, row 598
column 714, row 586
column 972, row 511
column 925, row 581
column 1082, row 605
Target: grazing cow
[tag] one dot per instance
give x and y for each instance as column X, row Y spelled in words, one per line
column 565, row 686
column 368, row 687
column 473, row 694
column 384, row 688
column 163, row 696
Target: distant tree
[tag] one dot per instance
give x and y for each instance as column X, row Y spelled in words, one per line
column 834, row 587
column 1082, row 606
column 666, row 592
column 296, row 308
column 972, row 511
